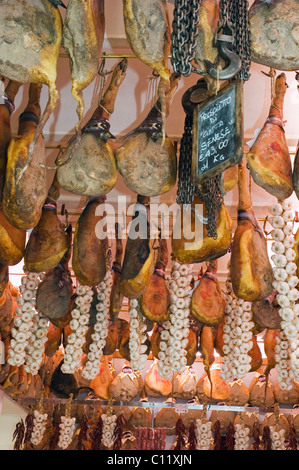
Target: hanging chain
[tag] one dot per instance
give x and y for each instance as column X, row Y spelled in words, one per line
column 238, row 16
column 183, row 37
column 211, row 194
column 186, row 190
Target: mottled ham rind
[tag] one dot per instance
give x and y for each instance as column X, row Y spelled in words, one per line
column 148, row 163
column 83, row 35
column 48, row 242
column 30, row 40
column 275, row 34
column 88, row 165
column 147, row 29
column 54, row 293
column 269, row 159
column 26, row 191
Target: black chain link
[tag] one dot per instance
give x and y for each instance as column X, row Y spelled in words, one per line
column 211, row 194
column 184, row 34
column 186, row 190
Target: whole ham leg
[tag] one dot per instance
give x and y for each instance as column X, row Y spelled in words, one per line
column 147, row 28
column 12, row 239
column 148, row 163
column 250, row 268
column 269, row 159
column 88, row 167
column 48, row 242
column 54, row 294
column 89, row 251
column 82, row 39
column 138, row 264
column 29, row 54
column 208, row 300
column 25, row 192
column 6, row 110
column 155, row 301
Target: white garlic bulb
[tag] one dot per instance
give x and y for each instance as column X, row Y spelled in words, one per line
column 75, row 341
column 203, row 432
column 66, row 432
column 241, row 437
column 100, row 334
column 27, row 329
column 285, row 283
column 39, row 427
column 172, row 355
column 137, row 339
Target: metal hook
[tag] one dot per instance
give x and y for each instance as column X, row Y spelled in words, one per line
column 223, row 42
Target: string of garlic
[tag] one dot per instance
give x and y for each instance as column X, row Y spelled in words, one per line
column 277, row 438
column 137, row 338
column 285, row 283
column 36, row 348
column 203, row 432
column 237, row 338
column 39, row 427
column 241, row 437
column 23, row 320
column 79, row 326
column 109, row 424
column 66, row 431
column 99, row 336
column 174, row 337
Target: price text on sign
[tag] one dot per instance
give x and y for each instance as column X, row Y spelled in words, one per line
column 217, row 133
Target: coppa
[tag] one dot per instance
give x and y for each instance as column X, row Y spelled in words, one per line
column 118, row 460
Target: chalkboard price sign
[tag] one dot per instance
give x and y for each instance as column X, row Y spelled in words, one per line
column 217, row 133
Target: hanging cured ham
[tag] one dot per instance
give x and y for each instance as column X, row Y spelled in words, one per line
column 25, row 192
column 190, row 241
column 154, row 384
column 138, row 264
column 208, row 300
column 148, row 32
column 269, row 158
column 12, row 239
column 274, row 33
column 89, row 251
column 6, row 110
column 55, row 291
column 155, row 301
column 250, row 268
column 48, row 241
column 32, row 31
column 184, row 384
column 89, row 168
column 148, row 167
column 83, row 35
